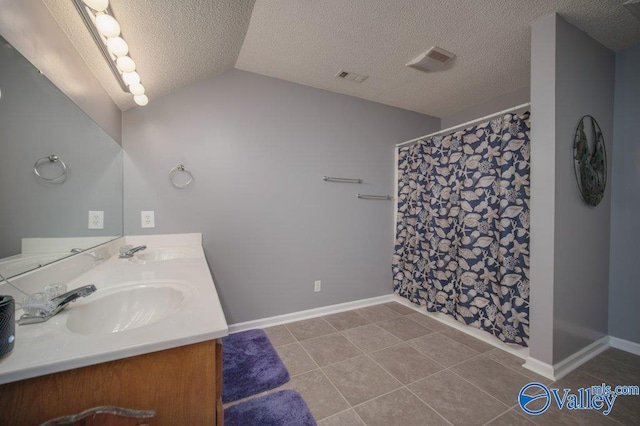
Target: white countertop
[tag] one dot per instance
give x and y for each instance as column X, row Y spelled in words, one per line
column 51, row 347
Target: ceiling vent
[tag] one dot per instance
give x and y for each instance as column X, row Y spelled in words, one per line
column 633, row 6
column 431, row 60
column 352, row 76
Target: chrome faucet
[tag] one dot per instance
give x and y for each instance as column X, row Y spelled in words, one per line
column 128, row 253
column 49, row 309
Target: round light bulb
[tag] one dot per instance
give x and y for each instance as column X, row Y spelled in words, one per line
column 126, row 64
column 97, row 5
column 141, row 100
column 107, row 25
column 136, row 89
column 117, row 46
column 131, row 78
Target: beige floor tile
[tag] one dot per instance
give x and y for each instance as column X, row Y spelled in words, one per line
column 330, row 349
column 279, row 335
column 399, row 308
column 498, row 381
column 308, row 329
column 399, row 407
column 346, row 418
column 296, row 359
column 622, row 356
column 345, row 320
column 404, row 328
column 377, row 313
column 426, row 321
column 321, row 396
column 515, row 363
column 460, row 337
column 554, row 416
column 442, row 349
column 626, row 410
column 405, row 363
column 611, row 371
column 511, row 418
column 369, row 338
column 360, row 379
column 456, row 399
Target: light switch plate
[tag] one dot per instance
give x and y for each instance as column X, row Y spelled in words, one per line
column 96, row 219
column 148, row 219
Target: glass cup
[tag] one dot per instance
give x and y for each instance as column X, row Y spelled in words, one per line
column 35, row 304
column 54, row 290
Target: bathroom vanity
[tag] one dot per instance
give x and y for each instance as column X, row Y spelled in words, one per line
column 147, row 339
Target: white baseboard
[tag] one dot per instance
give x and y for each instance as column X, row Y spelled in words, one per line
column 539, row 367
column 574, row 361
column 309, row 313
column 624, row 345
column 567, row 365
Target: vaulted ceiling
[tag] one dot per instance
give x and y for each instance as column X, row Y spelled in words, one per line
column 176, row 43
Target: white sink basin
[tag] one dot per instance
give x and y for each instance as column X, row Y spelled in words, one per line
column 128, row 306
column 161, row 254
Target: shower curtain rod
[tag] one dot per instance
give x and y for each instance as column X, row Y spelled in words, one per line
column 464, row 124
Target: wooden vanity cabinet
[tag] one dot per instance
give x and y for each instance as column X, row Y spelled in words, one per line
column 182, row 385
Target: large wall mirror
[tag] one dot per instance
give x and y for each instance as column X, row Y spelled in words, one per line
column 46, row 218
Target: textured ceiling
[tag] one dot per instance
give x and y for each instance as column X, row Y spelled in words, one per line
column 178, row 42
column 309, row 41
column 174, row 43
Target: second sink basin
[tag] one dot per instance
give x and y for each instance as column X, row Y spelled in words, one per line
column 127, row 307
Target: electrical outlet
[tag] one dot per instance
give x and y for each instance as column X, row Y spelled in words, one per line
column 96, row 219
column 317, row 286
column 148, row 219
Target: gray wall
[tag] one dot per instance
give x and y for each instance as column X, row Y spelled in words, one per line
column 496, row 104
column 543, row 160
column 582, row 83
column 624, row 286
column 38, row 120
column 258, row 148
column 585, row 72
column 29, row 26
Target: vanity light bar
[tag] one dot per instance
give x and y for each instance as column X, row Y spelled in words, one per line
column 105, row 29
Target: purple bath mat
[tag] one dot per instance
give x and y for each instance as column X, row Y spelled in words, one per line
column 250, row 365
column 283, row 408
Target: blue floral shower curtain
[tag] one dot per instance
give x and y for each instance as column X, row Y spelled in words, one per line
column 462, row 231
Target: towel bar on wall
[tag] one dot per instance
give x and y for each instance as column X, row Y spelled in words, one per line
column 180, row 169
column 340, row 180
column 374, row 197
column 51, row 159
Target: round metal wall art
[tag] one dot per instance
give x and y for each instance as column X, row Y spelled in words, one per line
column 590, row 165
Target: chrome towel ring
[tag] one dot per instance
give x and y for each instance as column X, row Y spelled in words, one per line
column 51, row 159
column 175, row 171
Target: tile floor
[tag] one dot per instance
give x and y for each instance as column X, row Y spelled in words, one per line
column 389, row 365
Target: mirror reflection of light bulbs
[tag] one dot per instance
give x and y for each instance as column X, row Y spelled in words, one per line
column 136, row 89
column 97, row 5
column 117, row 46
column 107, row 25
column 141, row 100
column 126, row 64
column 131, row 78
